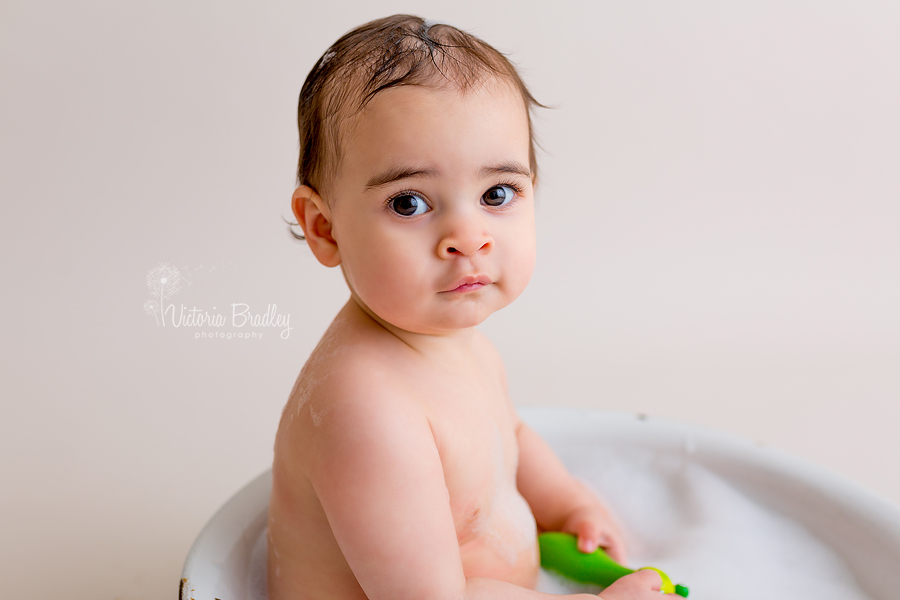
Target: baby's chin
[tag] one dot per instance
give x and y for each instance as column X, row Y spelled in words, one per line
column 441, row 324
column 440, row 317
column 439, row 327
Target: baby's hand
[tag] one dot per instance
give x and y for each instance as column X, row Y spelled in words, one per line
column 640, row 585
column 594, row 527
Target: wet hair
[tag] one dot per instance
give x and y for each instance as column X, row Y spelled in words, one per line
column 385, row 53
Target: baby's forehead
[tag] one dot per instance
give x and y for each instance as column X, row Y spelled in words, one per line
column 414, row 126
column 495, row 87
column 492, row 86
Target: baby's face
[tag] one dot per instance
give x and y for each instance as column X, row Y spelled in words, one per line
column 433, row 206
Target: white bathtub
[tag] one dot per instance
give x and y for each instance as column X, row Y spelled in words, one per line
column 729, row 519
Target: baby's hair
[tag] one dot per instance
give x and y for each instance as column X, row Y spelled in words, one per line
column 389, row 52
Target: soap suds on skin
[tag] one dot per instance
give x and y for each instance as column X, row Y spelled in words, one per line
column 274, row 551
column 327, row 348
column 272, row 544
column 509, row 527
column 317, row 416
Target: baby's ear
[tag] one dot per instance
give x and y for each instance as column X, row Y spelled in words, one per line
column 314, row 217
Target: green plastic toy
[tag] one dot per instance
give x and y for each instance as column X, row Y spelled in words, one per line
column 560, row 553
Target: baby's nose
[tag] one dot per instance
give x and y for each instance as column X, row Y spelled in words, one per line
column 465, row 239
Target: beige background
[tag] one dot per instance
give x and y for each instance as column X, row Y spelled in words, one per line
column 718, row 221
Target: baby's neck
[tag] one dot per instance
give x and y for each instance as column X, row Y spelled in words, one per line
column 448, row 347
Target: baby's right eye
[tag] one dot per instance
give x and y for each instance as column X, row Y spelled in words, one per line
column 408, row 205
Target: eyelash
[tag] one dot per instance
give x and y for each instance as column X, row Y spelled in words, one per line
column 514, row 187
column 510, row 184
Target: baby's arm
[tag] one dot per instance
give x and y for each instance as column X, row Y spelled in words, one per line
column 562, row 503
column 378, row 475
column 559, row 501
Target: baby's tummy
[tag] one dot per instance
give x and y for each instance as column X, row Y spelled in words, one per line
column 503, row 542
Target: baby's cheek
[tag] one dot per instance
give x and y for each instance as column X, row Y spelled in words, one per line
column 372, row 282
column 520, row 267
column 389, row 288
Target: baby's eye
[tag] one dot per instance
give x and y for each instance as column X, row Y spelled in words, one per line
column 499, row 195
column 408, row 205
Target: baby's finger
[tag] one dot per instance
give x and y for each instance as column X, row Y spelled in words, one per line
column 590, row 537
column 614, row 547
column 638, row 585
column 648, row 577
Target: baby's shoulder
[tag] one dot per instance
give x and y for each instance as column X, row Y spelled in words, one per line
column 343, row 389
column 349, row 420
column 346, row 412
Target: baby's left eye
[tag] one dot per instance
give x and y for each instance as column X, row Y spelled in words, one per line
column 498, row 195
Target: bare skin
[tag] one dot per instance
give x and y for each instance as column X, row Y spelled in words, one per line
column 401, row 468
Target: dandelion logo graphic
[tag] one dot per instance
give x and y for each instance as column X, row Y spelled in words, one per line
column 163, row 281
column 151, row 307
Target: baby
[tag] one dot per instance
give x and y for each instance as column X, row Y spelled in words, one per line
column 401, row 468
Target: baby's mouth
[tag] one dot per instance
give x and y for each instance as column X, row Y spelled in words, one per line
column 468, row 283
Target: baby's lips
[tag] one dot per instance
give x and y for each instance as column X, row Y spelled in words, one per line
column 469, row 280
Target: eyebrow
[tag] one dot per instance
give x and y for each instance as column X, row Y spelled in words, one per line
column 511, row 167
column 397, row 173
